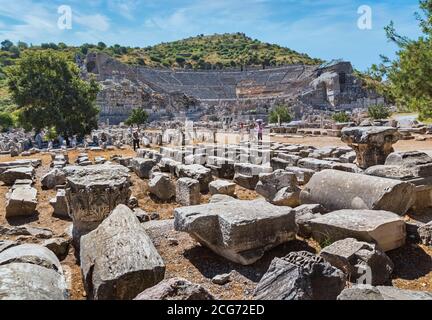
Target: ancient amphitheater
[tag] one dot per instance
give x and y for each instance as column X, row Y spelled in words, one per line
column 318, row 87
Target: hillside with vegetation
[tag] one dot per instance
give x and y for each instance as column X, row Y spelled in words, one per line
column 225, row 51
column 216, row 52
column 201, row 52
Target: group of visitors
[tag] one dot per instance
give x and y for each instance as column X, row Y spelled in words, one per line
column 42, row 138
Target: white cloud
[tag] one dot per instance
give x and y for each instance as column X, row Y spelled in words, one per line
column 125, row 8
column 96, row 22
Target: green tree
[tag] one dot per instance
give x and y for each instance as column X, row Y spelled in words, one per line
column 6, row 45
column 378, row 112
column 280, row 113
column 138, row 117
column 62, row 46
column 341, row 117
column 49, row 93
column 408, row 75
column 22, row 45
column 6, row 121
column 15, row 52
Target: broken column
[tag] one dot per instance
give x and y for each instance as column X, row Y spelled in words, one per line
column 384, row 228
column 414, row 167
column 93, row 192
column 240, row 231
column 343, row 190
column 371, row 144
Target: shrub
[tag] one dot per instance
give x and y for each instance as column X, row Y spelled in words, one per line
column 379, row 111
column 281, row 113
column 341, row 117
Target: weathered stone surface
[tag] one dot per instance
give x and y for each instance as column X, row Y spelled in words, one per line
column 22, row 201
column 314, row 164
column 300, row 276
column 188, row 192
column 384, row 228
column 303, row 175
column 359, row 259
column 196, row 159
column 10, row 175
column 371, row 144
column 247, row 175
column 408, row 159
column 60, row 204
column 33, row 254
column 349, row 157
column 197, row 172
column 341, row 190
column 6, row 244
column 118, row 259
column 368, row 292
column 221, row 279
column 141, row 215
column 93, row 192
column 142, row 167
column 279, row 164
column 392, row 172
column 162, row 187
column 248, row 182
column 292, row 159
column 26, row 230
column 306, row 213
column 175, row 289
column 34, row 163
column 25, row 281
column 222, row 187
column 221, row 167
column 221, row 198
column 425, row 233
column 55, row 177
column 240, row 231
column 60, row 246
column 279, row 188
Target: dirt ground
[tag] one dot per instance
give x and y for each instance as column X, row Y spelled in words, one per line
column 188, row 259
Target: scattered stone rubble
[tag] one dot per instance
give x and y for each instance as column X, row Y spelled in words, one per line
column 300, row 276
column 351, row 200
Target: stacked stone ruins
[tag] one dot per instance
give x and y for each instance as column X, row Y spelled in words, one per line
column 193, row 94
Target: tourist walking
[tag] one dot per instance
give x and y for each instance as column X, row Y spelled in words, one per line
column 260, row 128
column 135, row 138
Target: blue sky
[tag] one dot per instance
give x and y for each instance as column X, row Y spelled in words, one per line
column 324, row 29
